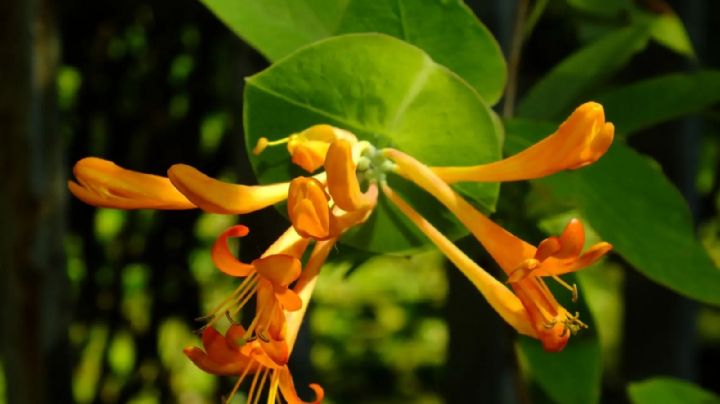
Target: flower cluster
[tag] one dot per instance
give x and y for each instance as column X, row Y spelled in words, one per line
column 344, row 194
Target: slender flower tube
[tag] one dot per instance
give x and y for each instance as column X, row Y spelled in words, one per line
column 497, row 294
column 309, row 147
column 105, row 184
column 553, row 324
column 216, row 196
column 581, row 140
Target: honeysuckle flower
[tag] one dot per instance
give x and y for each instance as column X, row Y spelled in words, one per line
column 524, row 263
column 224, row 356
column 105, row 184
column 581, row 140
column 309, row 147
column 272, row 273
column 237, row 355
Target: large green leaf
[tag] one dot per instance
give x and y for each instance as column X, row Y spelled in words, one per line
column 632, row 205
column 659, row 99
column 356, row 82
column 446, row 29
column 666, row 390
column 561, row 90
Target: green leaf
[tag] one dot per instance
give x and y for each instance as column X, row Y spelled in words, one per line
column 573, row 375
column 563, row 88
column 446, row 29
column 569, row 377
column 666, row 390
column 278, row 27
column 632, row 205
column 659, row 99
column 669, row 31
column 355, row 82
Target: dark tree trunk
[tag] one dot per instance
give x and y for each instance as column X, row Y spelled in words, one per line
column 33, row 286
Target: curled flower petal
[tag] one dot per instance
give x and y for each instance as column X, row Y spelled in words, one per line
column 287, row 387
column 105, row 184
column 216, row 196
column 224, row 259
column 342, row 181
column 581, row 140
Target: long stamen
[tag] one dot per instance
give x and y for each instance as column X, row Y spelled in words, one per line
column 274, row 382
column 253, row 385
column 264, row 142
column 220, row 308
column 254, row 325
column 239, row 382
column 242, row 300
column 260, row 386
column 567, row 286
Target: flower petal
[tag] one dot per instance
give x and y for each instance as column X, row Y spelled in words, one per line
column 554, row 266
column 572, row 240
column 308, row 208
column 216, row 196
column 204, row 362
column 224, row 259
column 279, row 269
column 310, row 155
column 105, row 184
column 581, row 140
column 287, row 388
column 342, row 181
column 288, row 298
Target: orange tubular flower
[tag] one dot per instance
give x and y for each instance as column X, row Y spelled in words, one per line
column 523, row 263
column 272, row 273
column 103, row 183
column 231, row 355
column 581, row 140
column 309, row 147
column 236, row 355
